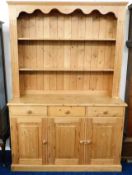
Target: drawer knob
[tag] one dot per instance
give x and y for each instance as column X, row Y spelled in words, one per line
column 67, row 112
column 105, row 112
column 29, row 112
column 82, row 141
column 45, row 141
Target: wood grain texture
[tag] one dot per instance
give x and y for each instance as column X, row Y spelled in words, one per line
column 14, row 53
column 118, row 53
column 67, row 82
column 66, row 61
column 66, row 111
column 64, row 141
column 83, row 55
column 67, row 168
column 27, row 140
column 55, row 99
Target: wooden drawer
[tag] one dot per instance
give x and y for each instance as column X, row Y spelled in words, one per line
column 66, row 111
column 28, row 110
column 104, row 111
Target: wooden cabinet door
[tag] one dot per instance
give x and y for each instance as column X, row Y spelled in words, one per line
column 104, row 140
column 65, row 137
column 27, row 140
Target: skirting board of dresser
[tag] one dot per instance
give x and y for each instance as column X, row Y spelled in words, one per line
column 67, row 168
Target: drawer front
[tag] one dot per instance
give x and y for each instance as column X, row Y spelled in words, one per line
column 66, row 111
column 28, row 110
column 104, row 111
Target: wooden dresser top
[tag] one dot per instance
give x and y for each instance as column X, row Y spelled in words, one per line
column 67, row 3
column 67, row 100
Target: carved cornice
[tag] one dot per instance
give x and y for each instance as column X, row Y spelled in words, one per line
column 66, row 7
column 66, row 11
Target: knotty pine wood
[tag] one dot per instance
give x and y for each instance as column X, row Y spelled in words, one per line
column 14, row 54
column 60, row 131
column 25, row 148
column 104, row 111
column 40, row 83
column 51, row 25
column 67, row 168
column 66, row 111
column 66, row 60
column 66, row 100
column 64, row 54
column 85, row 133
column 75, row 26
column 67, row 55
column 28, row 110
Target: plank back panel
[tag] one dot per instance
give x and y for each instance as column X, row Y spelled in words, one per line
column 84, row 55
column 65, row 81
column 58, row 26
column 59, row 52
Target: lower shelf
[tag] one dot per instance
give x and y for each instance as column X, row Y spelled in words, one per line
column 68, row 168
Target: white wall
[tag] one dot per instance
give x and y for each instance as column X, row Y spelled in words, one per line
column 4, row 16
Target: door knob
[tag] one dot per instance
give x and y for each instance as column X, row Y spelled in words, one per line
column 45, row 141
column 87, row 141
column 82, row 141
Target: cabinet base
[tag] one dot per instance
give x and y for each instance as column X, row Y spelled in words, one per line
column 67, row 168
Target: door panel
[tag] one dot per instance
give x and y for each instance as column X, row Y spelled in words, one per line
column 64, row 136
column 103, row 136
column 106, row 138
column 29, row 140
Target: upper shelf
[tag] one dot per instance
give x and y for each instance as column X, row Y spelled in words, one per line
column 75, row 26
column 67, row 39
column 65, row 70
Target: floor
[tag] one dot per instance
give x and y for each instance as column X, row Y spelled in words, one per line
column 127, row 170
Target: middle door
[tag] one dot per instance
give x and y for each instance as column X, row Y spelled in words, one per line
column 65, row 138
